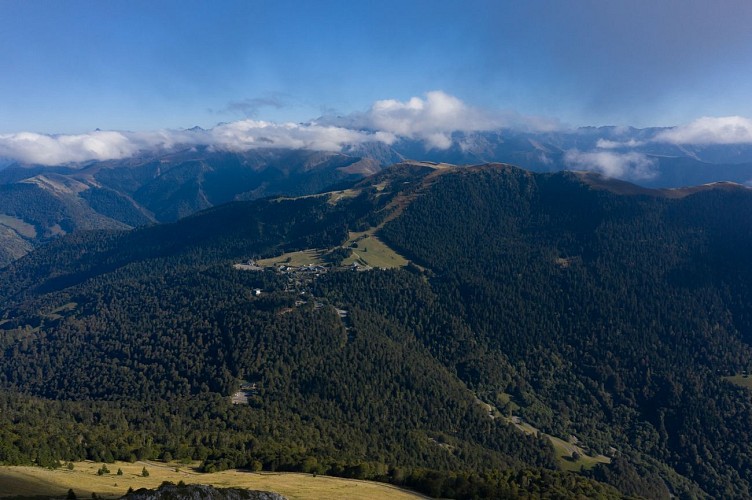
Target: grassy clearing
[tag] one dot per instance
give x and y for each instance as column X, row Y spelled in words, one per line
column 740, row 380
column 564, row 450
column 371, row 251
column 505, row 400
column 336, row 196
column 297, row 259
column 23, row 228
column 83, row 479
column 61, row 311
column 368, row 250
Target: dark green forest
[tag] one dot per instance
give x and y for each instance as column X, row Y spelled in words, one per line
column 610, row 317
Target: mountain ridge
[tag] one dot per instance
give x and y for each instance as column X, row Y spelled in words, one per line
column 165, row 185
column 141, row 191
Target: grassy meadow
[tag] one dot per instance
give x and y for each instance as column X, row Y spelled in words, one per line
column 24, row 481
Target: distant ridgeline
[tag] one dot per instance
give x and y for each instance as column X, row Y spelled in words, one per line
column 39, row 203
column 467, row 332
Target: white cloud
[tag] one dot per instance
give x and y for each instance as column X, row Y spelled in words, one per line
column 42, row 149
column 251, row 134
column 608, row 144
column 627, row 166
column 242, row 135
column 56, row 149
column 710, row 130
column 432, row 119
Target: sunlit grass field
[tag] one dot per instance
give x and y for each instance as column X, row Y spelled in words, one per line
column 83, row 480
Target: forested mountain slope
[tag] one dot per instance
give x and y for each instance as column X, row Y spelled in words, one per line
column 620, row 314
column 608, row 320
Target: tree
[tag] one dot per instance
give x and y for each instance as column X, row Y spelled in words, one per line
column 144, row 472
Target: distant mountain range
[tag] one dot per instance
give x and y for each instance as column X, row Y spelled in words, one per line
column 669, row 165
column 38, row 203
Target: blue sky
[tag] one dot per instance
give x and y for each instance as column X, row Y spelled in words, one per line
column 73, row 66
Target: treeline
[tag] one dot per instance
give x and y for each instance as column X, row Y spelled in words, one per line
column 216, row 434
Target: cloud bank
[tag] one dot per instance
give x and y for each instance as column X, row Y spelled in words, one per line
column 29, row 147
column 434, row 118
column 243, row 135
column 431, row 119
column 710, row 130
column 251, row 134
column 609, row 144
column 628, row 166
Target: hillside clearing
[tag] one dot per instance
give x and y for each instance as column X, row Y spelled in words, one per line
column 369, row 250
column 740, row 380
column 296, row 259
column 18, row 225
column 83, row 479
column 337, row 196
column 565, row 451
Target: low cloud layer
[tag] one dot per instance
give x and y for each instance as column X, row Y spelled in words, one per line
column 710, row 130
column 609, row 144
column 251, row 134
column 432, row 119
column 629, row 166
column 243, row 135
column 29, row 147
